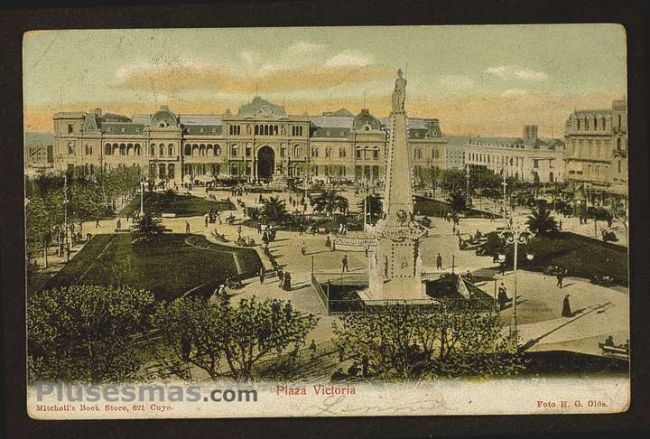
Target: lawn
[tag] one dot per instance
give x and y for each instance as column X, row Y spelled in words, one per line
column 168, row 267
column 182, row 205
column 583, row 257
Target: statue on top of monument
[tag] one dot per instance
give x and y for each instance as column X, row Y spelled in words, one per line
column 399, row 94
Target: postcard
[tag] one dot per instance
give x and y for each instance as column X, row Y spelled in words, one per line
column 326, row 221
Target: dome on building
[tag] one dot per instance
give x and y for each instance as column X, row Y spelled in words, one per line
column 365, row 121
column 163, row 118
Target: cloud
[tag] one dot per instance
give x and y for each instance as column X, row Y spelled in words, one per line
column 514, row 92
column 516, row 72
column 349, row 58
column 170, row 79
column 304, row 48
column 455, row 82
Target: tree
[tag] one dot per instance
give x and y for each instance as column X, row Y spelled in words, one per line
column 372, row 204
column 189, row 329
column 147, row 228
column 540, row 221
column 409, row 342
column 86, row 333
column 620, row 213
column 211, row 333
column 85, row 204
column 328, row 201
column 457, row 201
column 274, row 210
column 254, row 329
column 39, row 227
column 453, row 179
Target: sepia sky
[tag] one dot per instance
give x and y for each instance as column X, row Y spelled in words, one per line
column 479, row 80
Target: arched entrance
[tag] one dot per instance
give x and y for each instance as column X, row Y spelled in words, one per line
column 265, row 163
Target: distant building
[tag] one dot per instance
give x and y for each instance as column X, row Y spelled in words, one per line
column 455, row 156
column 527, row 158
column 260, row 142
column 596, row 142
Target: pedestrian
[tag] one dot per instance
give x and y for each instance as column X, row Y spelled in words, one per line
column 566, row 307
column 364, row 366
column 97, row 226
column 328, row 241
column 286, row 281
column 338, row 376
column 303, row 248
column 344, row 264
column 341, row 352
column 280, row 275
column 187, row 227
column 365, row 249
column 205, row 217
column 119, row 224
column 439, row 262
column 560, row 278
column 353, row 370
column 502, row 296
column 261, row 273
column 312, row 349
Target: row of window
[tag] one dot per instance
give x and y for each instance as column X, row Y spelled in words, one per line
column 266, row 130
column 588, row 123
column 417, row 153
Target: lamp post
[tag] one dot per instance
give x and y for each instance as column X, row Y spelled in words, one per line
column 142, row 197
column 516, row 235
column 505, row 201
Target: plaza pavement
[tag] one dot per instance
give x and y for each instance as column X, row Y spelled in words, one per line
column 601, row 311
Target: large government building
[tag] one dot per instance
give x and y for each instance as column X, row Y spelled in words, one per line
column 261, row 142
column 527, row 158
column 597, row 147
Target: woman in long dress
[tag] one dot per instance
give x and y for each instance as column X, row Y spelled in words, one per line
column 566, row 307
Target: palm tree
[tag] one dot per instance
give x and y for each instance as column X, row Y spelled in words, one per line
column 274, row 210
column 541, row 222
column 146, row 229
column 457, row 201
column 329, row 200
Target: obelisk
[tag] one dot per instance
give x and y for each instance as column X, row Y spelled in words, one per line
column 394, row 267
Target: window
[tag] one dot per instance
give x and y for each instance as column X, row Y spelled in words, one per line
column 71, row 148
column 342, row 152
column 170, row 150
column 235, row 150
column 328, row 153
column 535, row 163
column 70, row 128
column 188, row 149
column 358, row 153
column 161, row 150
column 375, row 154
column 107, row 149
column 314, row 152
column 235, row 130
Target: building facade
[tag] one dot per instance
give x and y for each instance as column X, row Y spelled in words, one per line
column 261, row 142
column 596, row 142
column 527, row 158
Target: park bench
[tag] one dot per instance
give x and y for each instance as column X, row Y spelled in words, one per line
column 168, row 215
column 616, row 351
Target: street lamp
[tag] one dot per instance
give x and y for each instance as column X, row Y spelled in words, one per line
column 142, row 197
column 516, row 235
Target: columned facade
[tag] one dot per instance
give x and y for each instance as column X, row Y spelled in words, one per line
column 259, row 143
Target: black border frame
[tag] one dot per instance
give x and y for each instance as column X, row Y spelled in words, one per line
column 26, row 15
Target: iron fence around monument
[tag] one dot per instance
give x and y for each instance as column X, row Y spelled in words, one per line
column 338, row 293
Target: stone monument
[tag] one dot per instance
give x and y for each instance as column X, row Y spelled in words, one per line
column 394, row 262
